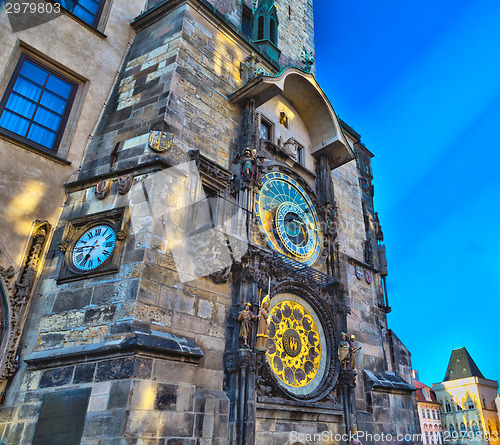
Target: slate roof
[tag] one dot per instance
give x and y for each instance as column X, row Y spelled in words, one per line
column 461, row 366
column 388, row 381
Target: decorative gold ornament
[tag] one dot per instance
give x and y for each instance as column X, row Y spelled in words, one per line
column 160, row 141
column 293, row 345
column 121, row 235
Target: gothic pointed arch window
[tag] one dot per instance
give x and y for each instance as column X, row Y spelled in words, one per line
column 265, row 29
column 463, row 428
column 470, row 403
column 475, row 428
column 451, row 429
column 448, row 406
column 260, row 28
column 273, row 32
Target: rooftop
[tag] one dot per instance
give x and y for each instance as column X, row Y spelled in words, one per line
column 461, row 366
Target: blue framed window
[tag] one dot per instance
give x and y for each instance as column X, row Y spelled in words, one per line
column 87, row 10
column 36, row 105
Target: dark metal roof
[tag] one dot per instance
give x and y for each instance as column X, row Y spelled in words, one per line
column 388, row 381
column 461, row 366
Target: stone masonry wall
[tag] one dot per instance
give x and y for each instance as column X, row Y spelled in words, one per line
column 366, row 321
column 283, row 427
column 178, row 75
column 134, row 396
column 131, row 398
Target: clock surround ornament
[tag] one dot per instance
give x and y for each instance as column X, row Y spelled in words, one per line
column 301, row 346
column 92, row 245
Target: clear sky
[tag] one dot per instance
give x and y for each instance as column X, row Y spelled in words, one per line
column 420, row 81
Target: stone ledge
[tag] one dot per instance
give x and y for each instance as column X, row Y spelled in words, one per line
column 152, row 343
column 270, row 407
column 388, row 382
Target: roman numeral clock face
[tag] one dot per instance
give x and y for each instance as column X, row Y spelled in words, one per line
column 93, row 248
column 287, row 218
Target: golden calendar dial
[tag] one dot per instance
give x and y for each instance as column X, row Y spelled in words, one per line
column 296, row 345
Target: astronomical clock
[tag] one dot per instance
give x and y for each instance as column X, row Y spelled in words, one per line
column 287, row 218
column 300, row 354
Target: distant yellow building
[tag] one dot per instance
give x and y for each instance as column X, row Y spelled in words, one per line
column 469, row 410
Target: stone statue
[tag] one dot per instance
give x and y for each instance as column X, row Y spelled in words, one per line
column 259, row 171
column 344, row 351
column 246, row 318
column 352, row 352
column 290, row 148
column 263, row 323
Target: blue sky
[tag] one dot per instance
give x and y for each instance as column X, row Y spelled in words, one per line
column 420, row 81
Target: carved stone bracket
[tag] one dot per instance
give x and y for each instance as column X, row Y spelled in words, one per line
column 347, row 378
column 7, row 275
column 259, row 264
column 221, row 276
column 212, row 174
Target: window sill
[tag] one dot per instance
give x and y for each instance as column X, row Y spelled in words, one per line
column 81, row 22
column 31, row 146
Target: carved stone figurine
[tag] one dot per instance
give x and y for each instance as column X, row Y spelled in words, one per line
column 352, row 352
column 344, row 351
column 246, row 318
column 259, row 171
column 247, row 166
column 263, row 323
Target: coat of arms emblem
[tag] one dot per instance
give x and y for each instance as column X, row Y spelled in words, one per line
column 359, row 272
column 102, row 188
column 368, row 276
column 160, row 141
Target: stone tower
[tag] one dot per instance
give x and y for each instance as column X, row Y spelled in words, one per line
column 219, row 175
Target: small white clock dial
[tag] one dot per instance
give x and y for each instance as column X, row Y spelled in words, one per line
column 94, row 247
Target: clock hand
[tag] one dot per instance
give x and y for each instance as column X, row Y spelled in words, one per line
column 88, row 254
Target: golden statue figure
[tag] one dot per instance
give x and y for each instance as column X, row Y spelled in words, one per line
column 263, row 323
column 352, row 352
column 344, row 348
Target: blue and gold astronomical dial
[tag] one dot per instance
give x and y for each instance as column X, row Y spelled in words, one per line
column 287, row 218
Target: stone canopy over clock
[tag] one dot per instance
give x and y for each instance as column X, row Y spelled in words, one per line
column 92, row 245
column 287, row 218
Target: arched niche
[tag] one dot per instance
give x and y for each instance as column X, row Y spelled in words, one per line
column 305, row 95
column 295, row 129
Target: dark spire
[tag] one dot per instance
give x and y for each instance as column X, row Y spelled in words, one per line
column 461, row 366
